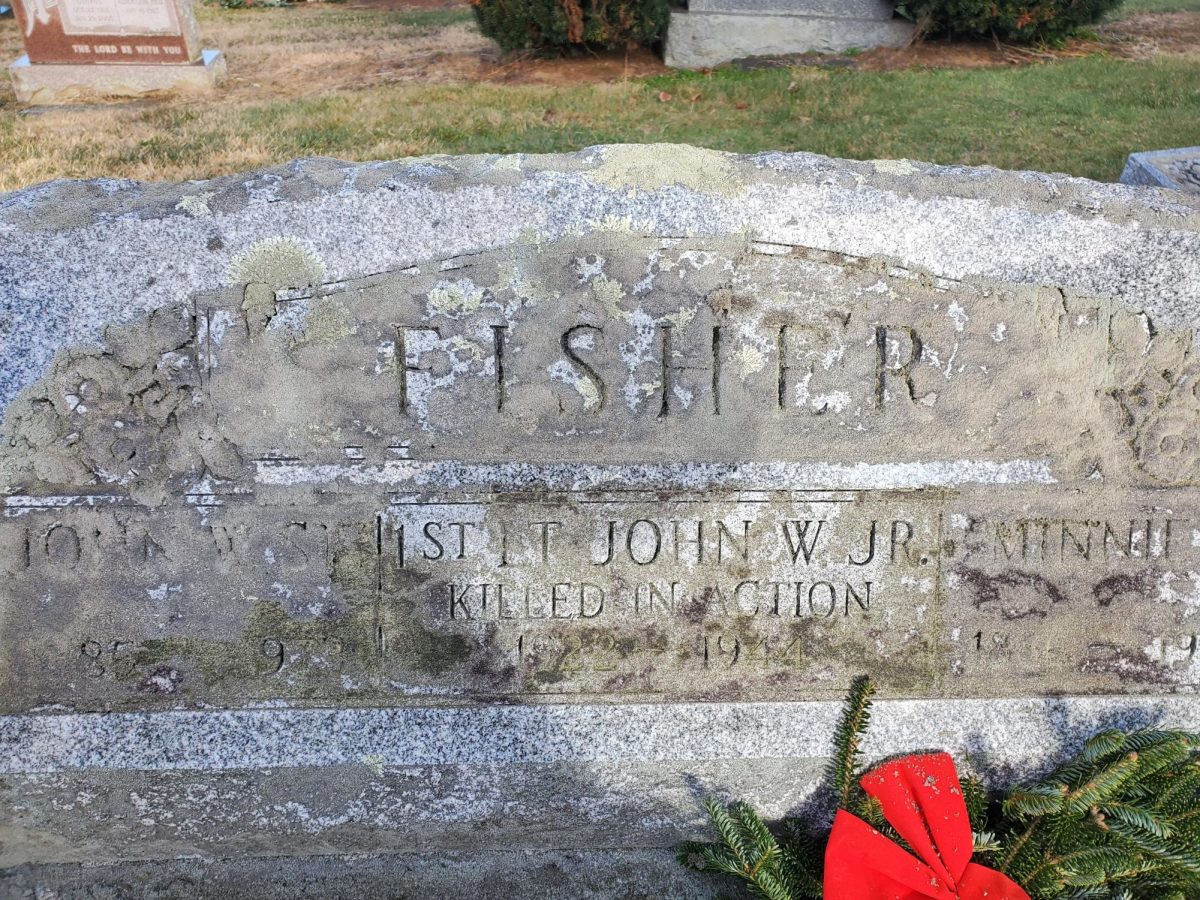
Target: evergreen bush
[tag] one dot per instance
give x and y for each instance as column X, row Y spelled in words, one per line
column 557, row 26
column 1008, row 20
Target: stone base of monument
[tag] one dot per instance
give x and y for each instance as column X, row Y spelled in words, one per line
column 711, row 32
column 531, row 801
column 44, row 84
column 1178, row 169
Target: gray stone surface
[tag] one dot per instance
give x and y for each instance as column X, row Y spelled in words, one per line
column 880, row 10
column 441, row 784
column 84, row 255
column 539, row 875
column 1012, row 734
column 1178, row 169
column 505, row 790
column 494, row 806
column 699, row 39
column 51, row 84
column 467, row 507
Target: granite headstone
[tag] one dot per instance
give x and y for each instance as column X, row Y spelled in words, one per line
column 711, row 32
column 87, row 49
column 463, row 521
column 1177, row 169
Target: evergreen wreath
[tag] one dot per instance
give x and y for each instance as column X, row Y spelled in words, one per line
column 1121, row 820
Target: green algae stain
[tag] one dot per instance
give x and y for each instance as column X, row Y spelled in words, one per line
column 275, row 655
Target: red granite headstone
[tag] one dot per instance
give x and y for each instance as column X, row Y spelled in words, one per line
column 109, row 31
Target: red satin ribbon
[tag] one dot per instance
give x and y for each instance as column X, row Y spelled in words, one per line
column 922, row 799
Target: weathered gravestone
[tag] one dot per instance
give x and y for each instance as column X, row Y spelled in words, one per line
column 87, row 49
column 711, row 32
column 455, row 524
column 1178, row 169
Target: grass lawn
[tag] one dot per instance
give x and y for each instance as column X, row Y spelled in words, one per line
column 370, row 84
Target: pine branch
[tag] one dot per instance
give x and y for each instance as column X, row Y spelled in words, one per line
column 856, row 716
column 1161, row 850
column 976, row 799
column 727, row 828
column 803, row 858
column 1082, row 868
column 1182, row 793
column 870, row 810
column 1161, row 756
column 1147, row 738
column 985, row 842
column 748, row 851
column 1035, row 800
column 1103, row 785
column 1102, row 744
column 1136, row 817
column 1022, row 846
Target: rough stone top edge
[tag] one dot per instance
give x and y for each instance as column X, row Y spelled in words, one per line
column 67, row 204
column 76, row 256
column 1169, row 153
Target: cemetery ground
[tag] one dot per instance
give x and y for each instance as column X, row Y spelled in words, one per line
column 378, row 79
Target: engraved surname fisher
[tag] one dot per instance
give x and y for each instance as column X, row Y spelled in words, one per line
column 698, row 356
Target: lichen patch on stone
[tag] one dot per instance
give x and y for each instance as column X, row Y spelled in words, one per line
column 279, row 263
column 455, row 298
column 196, row 205
column 651, row 167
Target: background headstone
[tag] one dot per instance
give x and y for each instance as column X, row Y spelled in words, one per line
column 711, row 32
column 85, row 49
column 135, row 31
column 465, row 520
column 1178, row 169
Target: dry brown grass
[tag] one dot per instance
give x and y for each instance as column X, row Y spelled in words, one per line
column 317, row 49
column 273, row 54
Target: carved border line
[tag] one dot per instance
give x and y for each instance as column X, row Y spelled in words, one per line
column 585, row 476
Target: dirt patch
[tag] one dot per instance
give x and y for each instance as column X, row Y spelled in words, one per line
column 939, row 53
column 587, row 68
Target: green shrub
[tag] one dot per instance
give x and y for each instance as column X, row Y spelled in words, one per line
column 562, row 25
column 1008, row 20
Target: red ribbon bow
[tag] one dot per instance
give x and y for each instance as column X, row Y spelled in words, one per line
column 922, row 799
